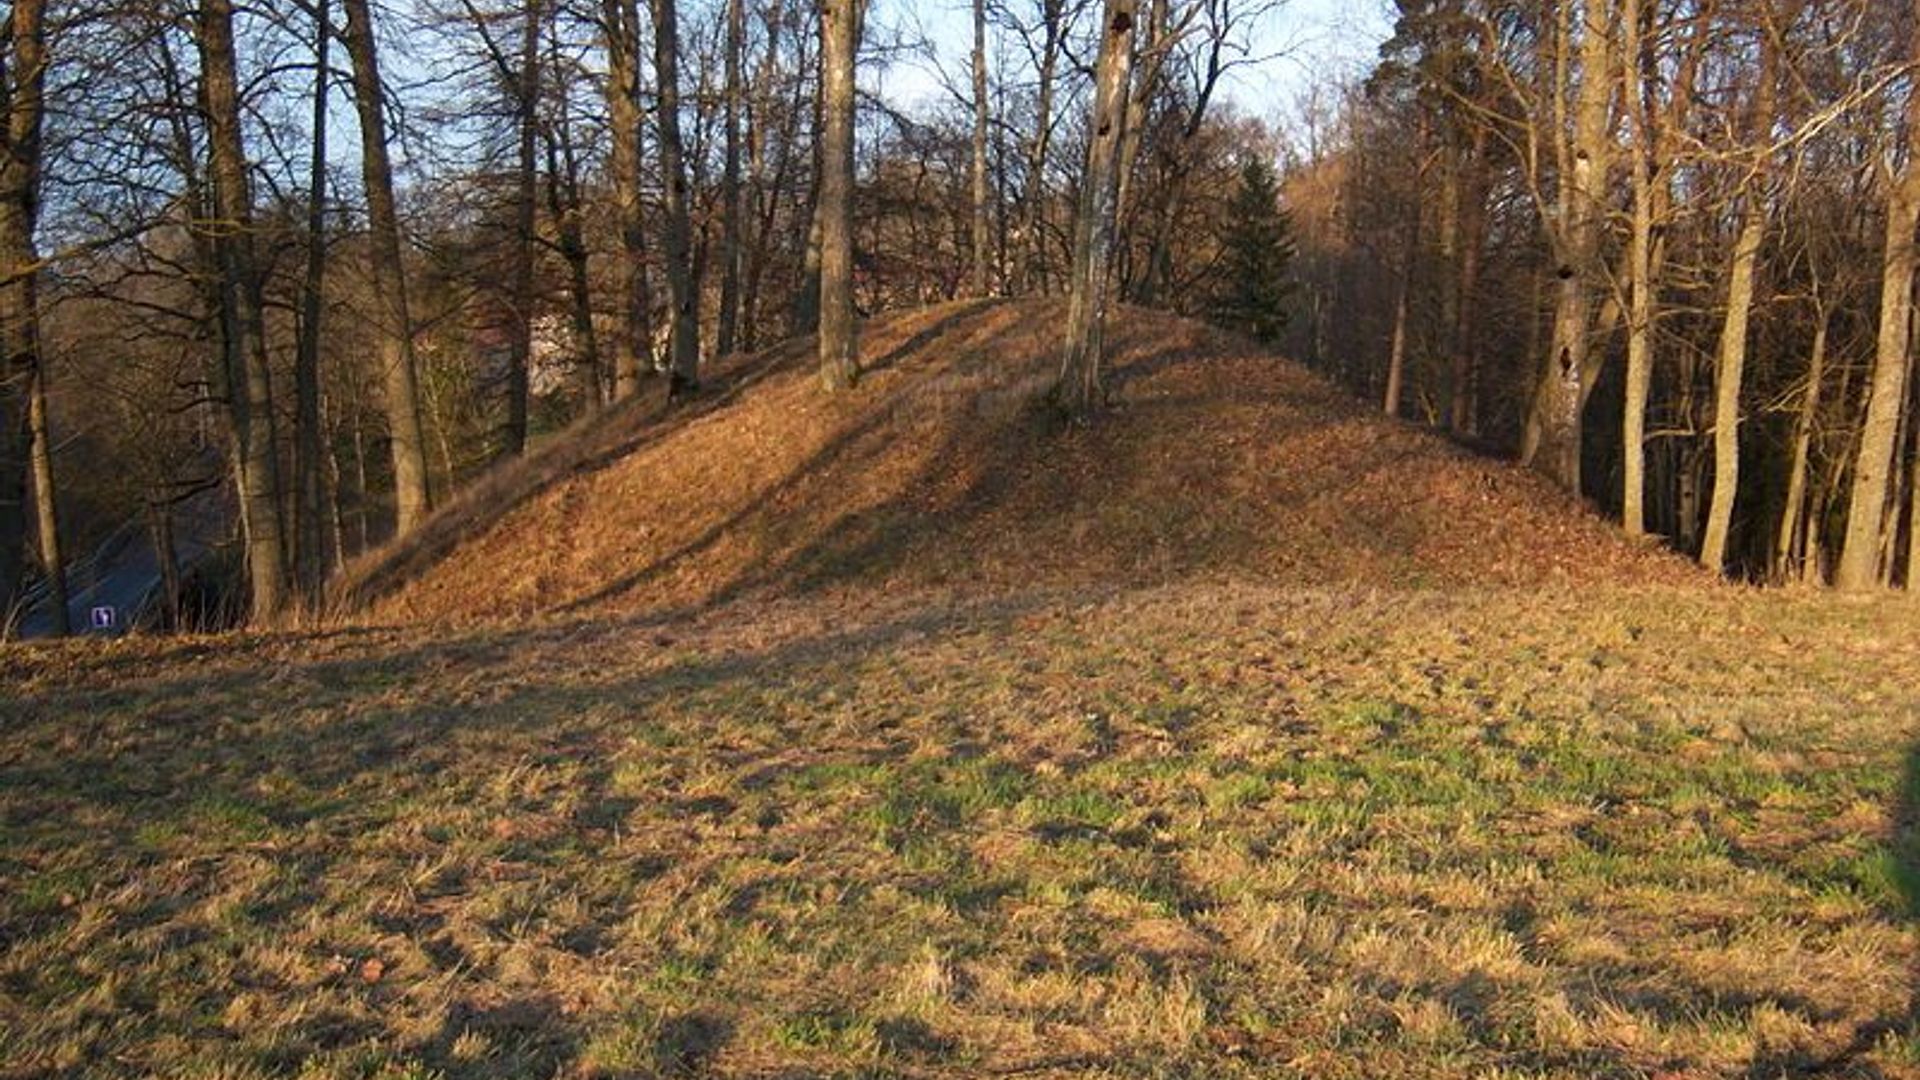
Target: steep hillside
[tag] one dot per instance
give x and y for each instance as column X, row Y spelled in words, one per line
column 941, row 471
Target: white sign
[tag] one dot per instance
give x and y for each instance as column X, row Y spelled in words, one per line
column 104, row 618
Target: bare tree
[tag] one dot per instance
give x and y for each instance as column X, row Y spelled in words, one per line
column 683, row 295
column 243, row 331
column 23, row 427
column 1080, row 389
column 1860, row 565
column 620, row 31
column 394, row 326
column 839, row 345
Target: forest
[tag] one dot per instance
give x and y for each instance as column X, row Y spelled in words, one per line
column 280, row 279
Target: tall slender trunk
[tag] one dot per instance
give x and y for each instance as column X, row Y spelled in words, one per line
column 1080, row 389
column 684, row 320
column 23, row 82
column 839, row 41
column 1397, row 347
column 1633, row 425
column 564, row 205
column 251, row 400
column 1728, row 378
column 1463, row 406
column 622, row 28
column 46, row 505
column 1790, row 543
column 1874, row 466
column 399, row 368
column 726, row 334
column 309, row 553
column 1034, row 197
column 978, row 276
column 526, row 196
column 1730, row 373
column 1553, row 430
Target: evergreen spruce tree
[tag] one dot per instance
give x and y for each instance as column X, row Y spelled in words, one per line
column 1253, row 287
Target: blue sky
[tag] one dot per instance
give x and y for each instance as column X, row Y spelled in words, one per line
column 1302, row 41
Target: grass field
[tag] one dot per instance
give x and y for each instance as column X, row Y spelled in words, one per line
column 1212, row 830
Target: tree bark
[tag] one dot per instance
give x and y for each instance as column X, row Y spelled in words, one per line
column 1080, row 389
column 46, row 505
column 622, row 23
column 23, row 82
column 1790, row 543
column 839, row 347
column 1730, row 374
column 1553, row 430
column 1640, row 285
column 732, row 209
column 978, row 270
column 526, row 196
column 684, row 320
column 1887, row 390
column 399, row 368
column 251, row 400
column 309, row 552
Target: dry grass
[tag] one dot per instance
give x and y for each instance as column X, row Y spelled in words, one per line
column 1225, row 829
column 941, row 471
column 908, row 734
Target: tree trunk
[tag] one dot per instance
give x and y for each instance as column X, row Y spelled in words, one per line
column 1463, row 411
column 684, row 324
column 309, row 552
column 1790, row 544
column 1867, row 513
column 1553, row 430
column 23, row 82
column 525, row 211
column 732, row 207
column 1728, row 378
column 252, row 399
column 839, row 39
column 1034, row 197
column 564, row 206
column 1633, row 426
column 1730, row 375
column 979, row 279
column 394, row 342
column 46, row 506
column 1080, row 390
column 622, row 22
column 1397, row 349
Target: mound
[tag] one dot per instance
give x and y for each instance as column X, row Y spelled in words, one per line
column 940, row 470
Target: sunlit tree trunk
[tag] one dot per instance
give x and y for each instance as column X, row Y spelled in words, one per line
column 839, row 39
column 621, row 19
column 1080, row 389
column 1790, row 544
column 1873, row 469
column 980, row 221
column 1553, row 431
column 684, row 320
column 394, row 335
column 251, row 399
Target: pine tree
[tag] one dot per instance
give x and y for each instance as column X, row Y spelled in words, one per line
column 1254, row 283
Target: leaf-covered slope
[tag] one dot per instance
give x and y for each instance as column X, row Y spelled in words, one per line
column 941, row 471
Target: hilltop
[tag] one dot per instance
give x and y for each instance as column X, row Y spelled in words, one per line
column 944, row 471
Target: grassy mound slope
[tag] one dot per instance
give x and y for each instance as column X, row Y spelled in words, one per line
column 941, row 471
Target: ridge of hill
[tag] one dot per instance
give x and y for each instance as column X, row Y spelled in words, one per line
column 941, row 471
